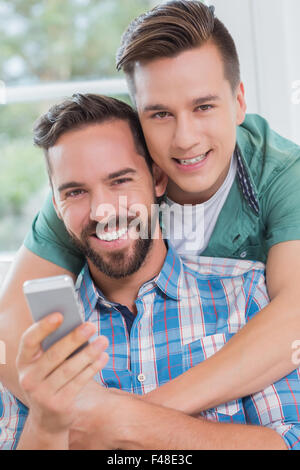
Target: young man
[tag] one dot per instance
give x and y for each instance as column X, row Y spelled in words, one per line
column 161, row 316
column 183, row 73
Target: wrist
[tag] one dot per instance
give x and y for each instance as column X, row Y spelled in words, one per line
column 121, row 419
column 132, row 422
column 190, row 393
column 172, row 396
column 36, row 436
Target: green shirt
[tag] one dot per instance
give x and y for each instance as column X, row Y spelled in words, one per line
column 248, row 225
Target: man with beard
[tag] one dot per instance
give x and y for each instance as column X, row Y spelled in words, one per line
column 119, row 265
column 161, row 316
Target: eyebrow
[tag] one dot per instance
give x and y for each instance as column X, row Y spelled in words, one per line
column 76, row 184
column 123, row 172
column 195, row 102
column 70, row 184
column 205, row 99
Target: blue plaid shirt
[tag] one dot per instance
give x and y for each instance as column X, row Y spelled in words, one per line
column 184, row 315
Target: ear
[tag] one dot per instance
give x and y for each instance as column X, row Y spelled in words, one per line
column 240, row 104
column 56, row 207
column 160, row 180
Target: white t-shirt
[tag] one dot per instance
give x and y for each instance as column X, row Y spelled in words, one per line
column 189, row 227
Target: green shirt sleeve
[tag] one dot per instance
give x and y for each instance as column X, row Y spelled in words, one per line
column 281, row 204
column 49, row 239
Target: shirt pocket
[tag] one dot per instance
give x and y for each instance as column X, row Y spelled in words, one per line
column 200, row 350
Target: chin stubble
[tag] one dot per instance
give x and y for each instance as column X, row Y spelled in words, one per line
column 120, row 264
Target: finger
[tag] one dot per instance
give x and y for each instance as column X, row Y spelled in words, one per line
column 30, row 345
column 61, row 350
column 75, row 365
column 72, row 388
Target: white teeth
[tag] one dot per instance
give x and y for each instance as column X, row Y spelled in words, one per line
column 192, row 161
column 110, row 236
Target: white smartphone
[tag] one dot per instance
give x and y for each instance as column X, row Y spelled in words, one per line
column 54, row 294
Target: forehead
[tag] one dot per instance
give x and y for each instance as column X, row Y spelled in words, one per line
column 95, row 149
column 199, row 71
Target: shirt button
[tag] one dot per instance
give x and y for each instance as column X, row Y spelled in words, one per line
column 106, row 305
column 141, row 378
column 243, row 254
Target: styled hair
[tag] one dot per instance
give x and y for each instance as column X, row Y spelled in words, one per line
column 171, row 28
column 80, row 111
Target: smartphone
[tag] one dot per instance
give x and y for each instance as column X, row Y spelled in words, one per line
column 54, row 294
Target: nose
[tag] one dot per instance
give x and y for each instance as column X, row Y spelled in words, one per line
column 186, row 133
column 102, row 205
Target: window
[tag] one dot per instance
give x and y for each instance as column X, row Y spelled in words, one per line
column 49, row 50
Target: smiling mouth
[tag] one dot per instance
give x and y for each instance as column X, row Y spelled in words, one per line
column 192, row 161
column 111, row 236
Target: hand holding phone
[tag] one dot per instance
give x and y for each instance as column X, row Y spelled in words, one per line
column 54, row 294
column 52, row 382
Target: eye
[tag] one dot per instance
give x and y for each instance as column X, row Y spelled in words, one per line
column 121, row 181
column 75, row 193
column 205, row 107
column 160, row 115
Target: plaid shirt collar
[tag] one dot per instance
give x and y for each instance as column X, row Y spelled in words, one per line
column 167, row 281
column 168, row 278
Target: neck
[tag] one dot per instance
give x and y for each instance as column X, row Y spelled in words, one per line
column 125, row 290
column 183, row 197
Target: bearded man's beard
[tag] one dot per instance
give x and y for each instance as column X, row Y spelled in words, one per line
column 120, row 263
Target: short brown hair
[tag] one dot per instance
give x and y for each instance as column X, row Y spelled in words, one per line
column 82, row 110
column 174, row 27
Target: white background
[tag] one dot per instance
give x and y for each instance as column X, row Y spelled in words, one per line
column 267, row 36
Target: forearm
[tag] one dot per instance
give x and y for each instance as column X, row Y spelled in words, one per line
column 35, row 438
column 257, row 356
column 147, row 426
column 10, row 333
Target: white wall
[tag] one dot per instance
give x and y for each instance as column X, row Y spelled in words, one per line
column 267, row 35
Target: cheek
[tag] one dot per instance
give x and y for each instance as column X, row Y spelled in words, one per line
column 75, row 216
column 158, row 142
column 222, row 129
column 149, row 136
column 141, row 199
